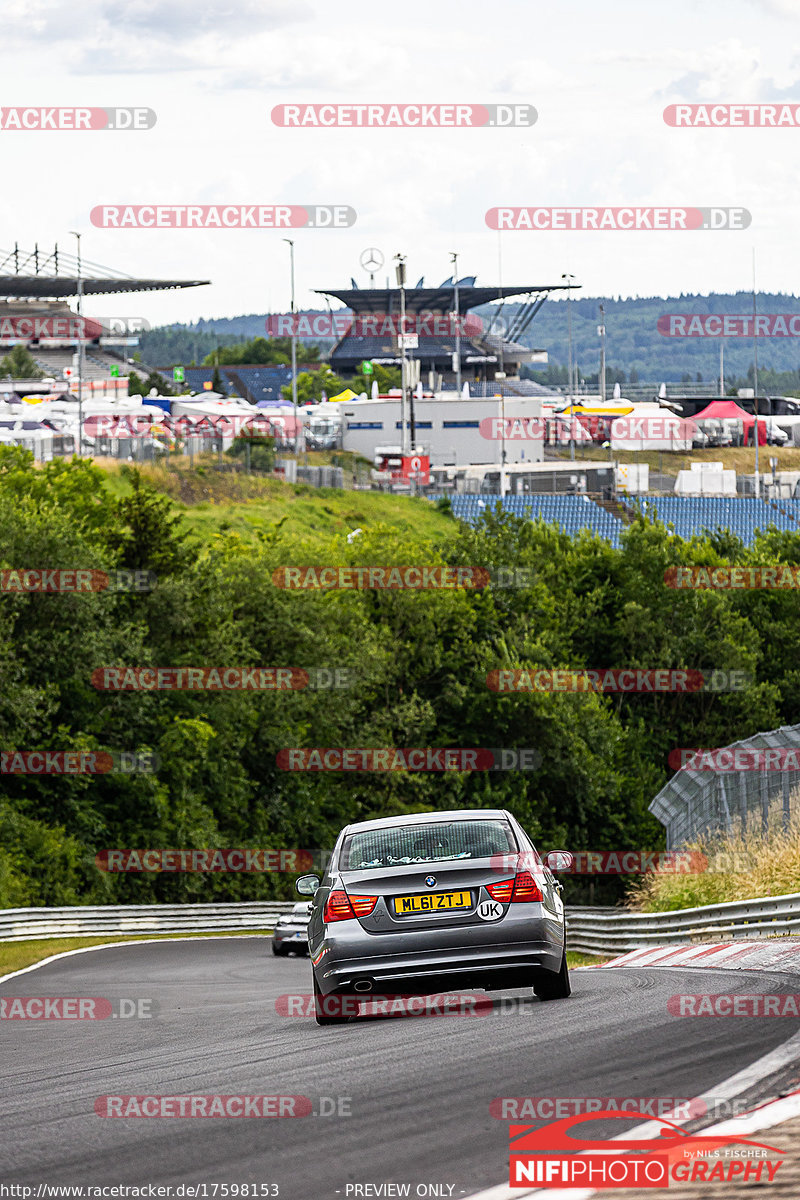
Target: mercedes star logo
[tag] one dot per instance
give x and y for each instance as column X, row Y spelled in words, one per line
column 371, row 259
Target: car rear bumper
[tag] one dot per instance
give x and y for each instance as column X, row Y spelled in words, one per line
column 346, row 968
column 288, row 939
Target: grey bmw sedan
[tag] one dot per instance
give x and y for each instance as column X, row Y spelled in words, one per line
column 416, row 904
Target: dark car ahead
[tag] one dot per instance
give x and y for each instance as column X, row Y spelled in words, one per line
column 290, row 931
column 413, row 905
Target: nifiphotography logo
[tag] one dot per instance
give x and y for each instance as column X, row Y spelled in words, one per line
column 552, row 1157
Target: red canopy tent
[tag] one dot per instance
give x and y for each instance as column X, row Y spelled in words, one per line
column 729, row 410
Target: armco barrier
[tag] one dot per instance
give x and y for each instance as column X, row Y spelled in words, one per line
column 614, row 931
column 589, row 930
column 31, row 924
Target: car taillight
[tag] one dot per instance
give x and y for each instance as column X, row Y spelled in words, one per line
column 526, row 889
column 501, row 891
column 338, row 907
column 341, row 907
column 521, row 889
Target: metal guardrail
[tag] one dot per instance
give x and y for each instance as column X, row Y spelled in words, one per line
column 32, row 924
column 615, row 931
column 589, row 930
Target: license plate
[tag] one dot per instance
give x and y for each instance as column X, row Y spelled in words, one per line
column 432, row 902
column 298, row 937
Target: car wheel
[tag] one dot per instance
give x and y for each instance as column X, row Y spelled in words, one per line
column 323, row 1018
column 553, row 985
column 279, row 950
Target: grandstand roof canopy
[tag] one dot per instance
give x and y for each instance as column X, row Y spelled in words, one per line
column 54, row 275
column 382, row 300
column 44, row 287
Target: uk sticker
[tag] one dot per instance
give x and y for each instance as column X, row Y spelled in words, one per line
column 490, row 910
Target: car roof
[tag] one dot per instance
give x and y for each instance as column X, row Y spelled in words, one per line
column 449, row 815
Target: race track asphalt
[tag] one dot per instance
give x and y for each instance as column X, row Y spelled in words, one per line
column 418, row 1089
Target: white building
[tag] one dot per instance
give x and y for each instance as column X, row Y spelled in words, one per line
column 450, row 428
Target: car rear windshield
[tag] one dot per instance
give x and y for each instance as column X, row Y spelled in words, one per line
column 434, row 842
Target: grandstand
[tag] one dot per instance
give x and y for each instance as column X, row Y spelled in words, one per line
column 258, row 384
column 35, row 286
column 481, row 356
column 572, row 514
column 742, row 516
column 684, row 516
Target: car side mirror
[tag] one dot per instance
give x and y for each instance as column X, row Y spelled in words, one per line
column 307, row 885
column 559, row 860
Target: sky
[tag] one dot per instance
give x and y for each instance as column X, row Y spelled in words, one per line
column 598, row 74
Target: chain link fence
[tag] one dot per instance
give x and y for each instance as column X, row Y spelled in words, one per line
column 758, row 796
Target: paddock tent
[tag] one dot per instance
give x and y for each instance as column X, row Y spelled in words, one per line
column 729, row 410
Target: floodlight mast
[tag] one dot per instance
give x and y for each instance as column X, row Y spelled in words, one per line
column 80, row 346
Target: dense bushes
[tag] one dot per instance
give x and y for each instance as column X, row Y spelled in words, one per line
column 418, row 661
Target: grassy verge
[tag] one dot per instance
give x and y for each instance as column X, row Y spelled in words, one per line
column 16, row 955
column 574, row 959
column 726, row 868
column 216, row 502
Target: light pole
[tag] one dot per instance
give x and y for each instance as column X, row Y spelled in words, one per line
column 569, row 279
column 454, row 261
column 400, row 271
column 602, row 331
column 755, row 376
column 80, row 347
column 294, row 351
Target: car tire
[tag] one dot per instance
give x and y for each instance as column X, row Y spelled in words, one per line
column 321, row 1017
column 554, row 985
column 279, row 950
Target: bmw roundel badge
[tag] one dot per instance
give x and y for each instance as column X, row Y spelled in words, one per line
column 430, row 881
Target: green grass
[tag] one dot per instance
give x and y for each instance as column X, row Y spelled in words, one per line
column 213, row 502
column 727, row 868
column 574, row 959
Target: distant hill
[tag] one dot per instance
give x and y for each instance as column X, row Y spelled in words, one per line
column 633, row 342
